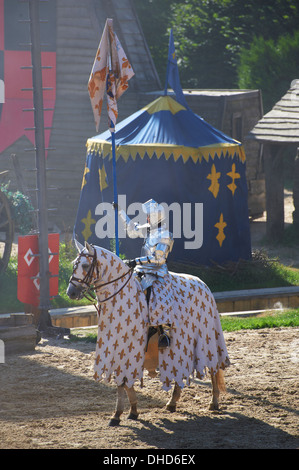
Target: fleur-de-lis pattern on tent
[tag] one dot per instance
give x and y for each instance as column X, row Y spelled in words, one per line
column 167, row 153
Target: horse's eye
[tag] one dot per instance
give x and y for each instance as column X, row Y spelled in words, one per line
column 85, row 265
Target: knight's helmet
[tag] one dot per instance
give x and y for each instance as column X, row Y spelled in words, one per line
column 155, row 212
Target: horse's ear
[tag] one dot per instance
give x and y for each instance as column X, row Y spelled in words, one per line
column 89, row 248
column 78, row 246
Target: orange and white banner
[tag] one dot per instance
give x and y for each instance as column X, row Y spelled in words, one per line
column 111, row 71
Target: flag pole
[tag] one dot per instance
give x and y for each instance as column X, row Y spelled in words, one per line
column 112, row 130
column 115, row 195
column 112, row 59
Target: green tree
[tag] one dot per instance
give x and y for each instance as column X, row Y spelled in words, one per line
column 270, row 66
column 211, row 34
column 154, row 16
column 201, row 46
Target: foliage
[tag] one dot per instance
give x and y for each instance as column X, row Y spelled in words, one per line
column 88, row 336
column 154, row 16
column 210, row 35
column 202, row 44
column 259, row 272
column 284, row 318
column 256, row 273
column 20, row 209
column 9, row 280
column 67, row 254
column 270, row 66
column 8, row 288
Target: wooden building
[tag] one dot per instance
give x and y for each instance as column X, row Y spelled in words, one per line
column 276, row 130
column 74, row 31
column 77, row 27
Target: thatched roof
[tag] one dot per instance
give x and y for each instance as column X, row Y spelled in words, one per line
column 281, row 124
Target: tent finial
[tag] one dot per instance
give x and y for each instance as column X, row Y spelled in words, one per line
column 172, row 74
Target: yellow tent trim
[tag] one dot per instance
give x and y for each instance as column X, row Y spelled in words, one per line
column 164, row 150
column 164, row 103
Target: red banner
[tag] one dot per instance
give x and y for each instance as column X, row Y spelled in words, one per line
column 28, row 268
column 14, row 121
column 16, row 81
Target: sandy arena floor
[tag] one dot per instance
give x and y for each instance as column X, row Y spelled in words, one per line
column 49, row 400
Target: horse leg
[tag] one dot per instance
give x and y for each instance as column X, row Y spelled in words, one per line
column 218, row 385
column 133, row 402
column 176, row 393
column 120, row 405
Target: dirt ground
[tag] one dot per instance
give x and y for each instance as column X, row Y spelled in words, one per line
column 49, row 400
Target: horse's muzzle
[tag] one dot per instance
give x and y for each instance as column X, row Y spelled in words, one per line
column 74, row 292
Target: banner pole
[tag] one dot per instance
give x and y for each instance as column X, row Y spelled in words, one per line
column 115, row 195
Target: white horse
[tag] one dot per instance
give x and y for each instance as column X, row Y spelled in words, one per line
column 123, row 350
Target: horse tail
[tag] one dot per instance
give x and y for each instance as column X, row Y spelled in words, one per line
column 220, row 380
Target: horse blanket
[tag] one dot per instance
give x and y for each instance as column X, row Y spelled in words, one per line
column 183, row 301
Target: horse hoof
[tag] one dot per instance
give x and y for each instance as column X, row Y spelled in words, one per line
column 213, row 407
column 114, row 422
column 171, row 408
column 133, row 416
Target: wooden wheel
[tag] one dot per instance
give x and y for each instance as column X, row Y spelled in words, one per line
column 6, row 232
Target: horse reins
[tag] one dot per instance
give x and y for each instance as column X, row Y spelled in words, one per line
column 88, row 277
column 111, row 282
column 88, row 294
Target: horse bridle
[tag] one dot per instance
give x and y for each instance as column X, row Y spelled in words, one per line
column 88, row 293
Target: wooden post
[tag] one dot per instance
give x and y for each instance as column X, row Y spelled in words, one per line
column 45, row 322
column 296, row 191
column 273, row 166
column 45, row 319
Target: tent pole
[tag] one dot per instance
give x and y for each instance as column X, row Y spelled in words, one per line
column 166, row 81
column 168, row 64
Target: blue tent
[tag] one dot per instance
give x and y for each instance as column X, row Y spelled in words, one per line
column 166, row 152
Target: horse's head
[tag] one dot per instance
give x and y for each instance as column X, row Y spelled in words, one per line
column 84, row 271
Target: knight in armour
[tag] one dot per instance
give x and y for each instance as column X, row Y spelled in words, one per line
column 151, row 266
